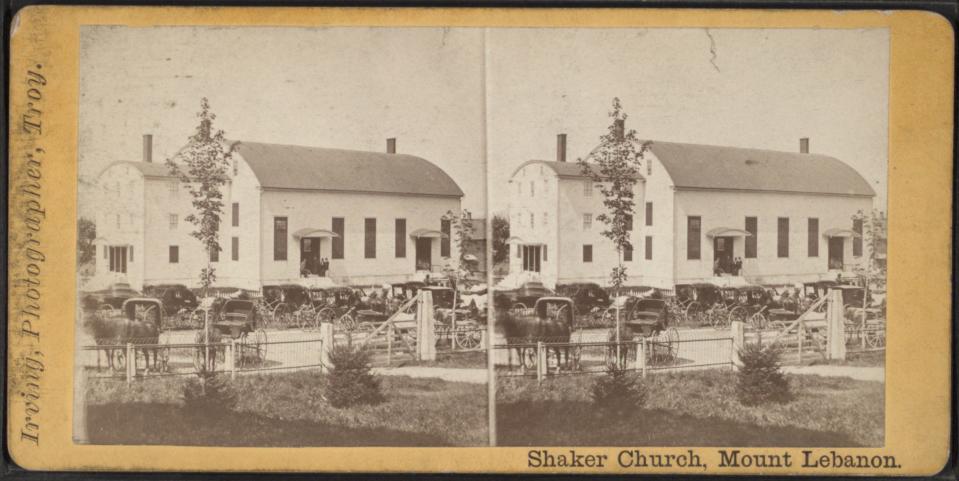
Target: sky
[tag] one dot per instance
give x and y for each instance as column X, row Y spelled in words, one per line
column 479, row 103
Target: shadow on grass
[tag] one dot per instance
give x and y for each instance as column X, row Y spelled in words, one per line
column 565, row 423
column 170, row 424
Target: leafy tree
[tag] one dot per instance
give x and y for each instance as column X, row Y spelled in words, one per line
column 462, row 228
column 202, row 166
column 874, row 225
column 614, row 165
column 86, row 233
column 499, row 238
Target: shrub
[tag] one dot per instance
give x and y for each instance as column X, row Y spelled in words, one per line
column 618, row 390
column 351, row 383
column 761, row 379
column 209, row 395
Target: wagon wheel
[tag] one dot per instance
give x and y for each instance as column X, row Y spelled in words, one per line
column 258, row 346
column 665, row 346
column 467, row 338
column 875, row 335
column 738, row 313
column 527, row 357
column 695, row 313
column 518, row 305
column 757, row 320
column 326, row 315
column 282, row 315
column 347, row 323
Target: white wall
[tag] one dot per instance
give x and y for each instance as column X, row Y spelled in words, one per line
column 317, row 209
column 119, row 218
column 658, row 189
column 729, row 209
column 533, row 190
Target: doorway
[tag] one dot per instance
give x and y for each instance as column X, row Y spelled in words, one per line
column 836, row 247
column 310, row 258
column 424, row 253
column 723, row 255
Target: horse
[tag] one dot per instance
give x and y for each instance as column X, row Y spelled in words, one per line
column 549, row 321
column 138, row 324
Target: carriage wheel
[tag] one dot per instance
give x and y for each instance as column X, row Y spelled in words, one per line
column 282, row 315
column 758, row 320
column 875, row 336
column 467, row 338
column 695, row 313
column 666, row 346
column 259, row 346
column 737, row 313
column 518, row 305
column 346, row 323
column 527, row 356
column 326, row 315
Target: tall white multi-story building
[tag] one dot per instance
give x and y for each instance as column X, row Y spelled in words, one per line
column 377, row 217
column 788, row 216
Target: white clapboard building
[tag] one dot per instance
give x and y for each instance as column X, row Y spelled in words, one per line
column 376, row 217
column 698, row 208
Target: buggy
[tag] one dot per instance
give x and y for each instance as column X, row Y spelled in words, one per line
column 228, row 320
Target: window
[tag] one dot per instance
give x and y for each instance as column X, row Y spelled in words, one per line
column 588, row 188
column 338, row 227
column 544, row 254
column 812, row 244
column 174, row 188
column 532, row 220
column 694, row 229
column 628, row 254
column 532, row 189
column 649, row 213
column 857, row 240
column 445, row 241
column 782, row 242
column 752, row 226
column 369, row 238
column 649, row 248
column 279, row 238
column 587, row 253
column 174, row 221
column 118, row 221
column 236, row 214
column 587, row 221
column 629, row 222
column 118, row 258
column 400, row 241
column 235, row 248
column 215, row 255
column 174, row 254
column 545, row 219
column 519, row 251
column 236, row 167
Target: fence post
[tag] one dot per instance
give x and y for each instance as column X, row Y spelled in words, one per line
column 800, row 335
column 540, row 361
column 643, row 347
column 389, row 344
column 326, row 345
column 131, row 363
column 231, row 358
column 739, row 340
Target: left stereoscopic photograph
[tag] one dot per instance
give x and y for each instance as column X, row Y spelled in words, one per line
column 281, row 237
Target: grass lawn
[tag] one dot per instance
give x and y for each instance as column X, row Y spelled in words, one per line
column 696, row 408
column 288, row 409
column 454, row 359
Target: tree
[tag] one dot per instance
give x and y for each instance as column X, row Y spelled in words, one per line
column 874, row 226
column 614, row 165
column 462, row 228
column 86, row 233
column 202, row 167
column 499, row 238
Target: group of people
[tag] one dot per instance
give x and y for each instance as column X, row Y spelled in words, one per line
column 317, row 267
column 735, row 268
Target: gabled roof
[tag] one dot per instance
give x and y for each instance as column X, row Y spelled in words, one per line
column 693, row 166
column 295, row 167
column 562, row 169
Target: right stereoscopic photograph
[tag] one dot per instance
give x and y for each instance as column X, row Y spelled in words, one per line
column 688, row 232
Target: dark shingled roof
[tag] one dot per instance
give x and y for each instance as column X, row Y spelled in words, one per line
column 312, row 168
column 694, row 166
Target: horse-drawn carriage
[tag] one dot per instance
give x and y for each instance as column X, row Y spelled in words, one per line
column 697, row 302
column 110, row 298
column 520, row 297
column 647, row 320
column 550, row 320
column 178, row 301
column 588, row 297
column 752, row 306
column 138, row 322
column 223, row 321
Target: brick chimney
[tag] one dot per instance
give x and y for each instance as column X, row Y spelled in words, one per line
column 147, row 147
column 391, row 145
column 561, row 148
column 804, row 145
